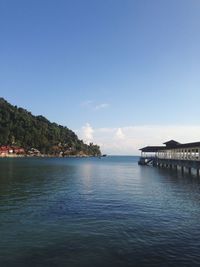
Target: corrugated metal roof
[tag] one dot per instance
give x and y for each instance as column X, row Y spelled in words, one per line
column 152, row 148
column 174, row 146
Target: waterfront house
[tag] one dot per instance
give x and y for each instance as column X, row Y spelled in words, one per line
column 34, row 152
column 6, row 151
column 18, row 150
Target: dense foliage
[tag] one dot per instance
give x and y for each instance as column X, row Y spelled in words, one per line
column 20, row 127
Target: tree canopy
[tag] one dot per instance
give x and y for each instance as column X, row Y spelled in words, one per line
column 19, row 127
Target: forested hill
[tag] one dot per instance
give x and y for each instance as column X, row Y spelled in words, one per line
column 19, row 127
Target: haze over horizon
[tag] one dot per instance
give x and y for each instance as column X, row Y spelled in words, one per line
column 122, row 74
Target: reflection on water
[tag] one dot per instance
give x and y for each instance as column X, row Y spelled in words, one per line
column 102, row 212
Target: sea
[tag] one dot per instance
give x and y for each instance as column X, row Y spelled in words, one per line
column 102, row 212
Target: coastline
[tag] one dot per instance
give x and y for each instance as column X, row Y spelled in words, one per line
column 48, row 156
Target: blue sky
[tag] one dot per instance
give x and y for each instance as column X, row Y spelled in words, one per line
column 104, row 64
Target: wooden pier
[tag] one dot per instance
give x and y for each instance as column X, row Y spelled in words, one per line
column 173, row 155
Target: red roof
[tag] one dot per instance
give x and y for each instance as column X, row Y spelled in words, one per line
column 5, row 149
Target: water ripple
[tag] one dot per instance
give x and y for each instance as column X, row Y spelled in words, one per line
column 86, row 212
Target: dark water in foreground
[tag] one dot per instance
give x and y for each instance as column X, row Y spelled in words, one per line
column 97, row 212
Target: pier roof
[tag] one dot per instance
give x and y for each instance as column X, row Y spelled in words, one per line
column 170, row 145
column 152, row 148
column 187, row 145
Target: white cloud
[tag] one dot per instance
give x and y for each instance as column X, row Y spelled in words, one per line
column 87, row 103
column 101, row 106
column 94, row 106
column 127, row 140
column 87, row 133
column 119, row 134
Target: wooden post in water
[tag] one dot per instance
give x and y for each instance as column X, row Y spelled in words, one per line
column 182, row 169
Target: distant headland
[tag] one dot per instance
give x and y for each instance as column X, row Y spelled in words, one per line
column 23, row 134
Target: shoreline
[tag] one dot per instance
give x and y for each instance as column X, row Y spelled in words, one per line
column 48, row 156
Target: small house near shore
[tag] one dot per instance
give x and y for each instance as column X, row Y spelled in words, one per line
column 11, row 150
column 34, row 152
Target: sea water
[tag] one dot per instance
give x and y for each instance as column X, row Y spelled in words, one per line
column 97, row 212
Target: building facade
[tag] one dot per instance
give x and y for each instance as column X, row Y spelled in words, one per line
column 173, row 150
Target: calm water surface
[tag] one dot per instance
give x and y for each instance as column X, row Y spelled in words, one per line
column 97, row 212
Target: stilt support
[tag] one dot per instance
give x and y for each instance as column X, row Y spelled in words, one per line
column 182, row 170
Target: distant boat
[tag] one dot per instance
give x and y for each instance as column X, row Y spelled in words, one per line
column 104, row 155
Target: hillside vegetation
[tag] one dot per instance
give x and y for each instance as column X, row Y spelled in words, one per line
column 20, row 127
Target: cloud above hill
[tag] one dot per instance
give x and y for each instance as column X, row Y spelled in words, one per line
column 127, row 140
column 87, row 133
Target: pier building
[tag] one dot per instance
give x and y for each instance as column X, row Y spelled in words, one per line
column 172, row 155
